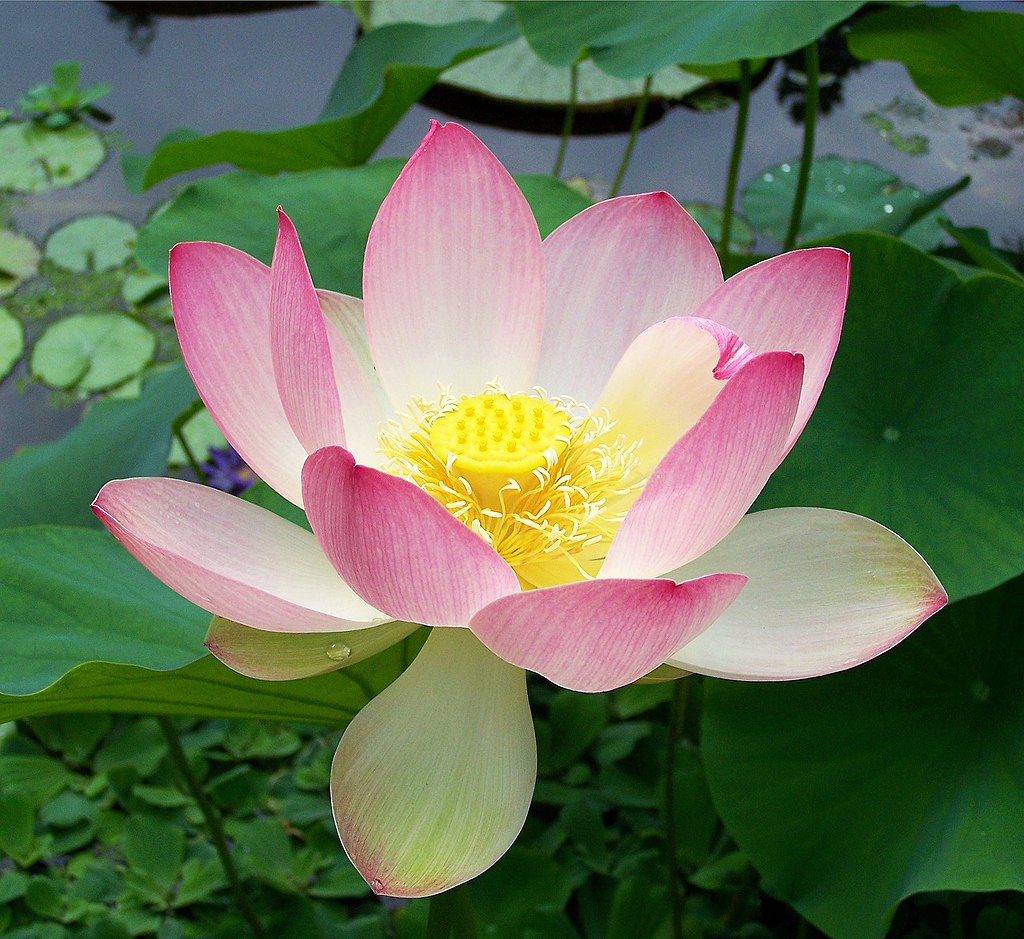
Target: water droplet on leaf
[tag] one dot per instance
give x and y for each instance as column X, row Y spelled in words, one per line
column 338, row 651
column 891, row 434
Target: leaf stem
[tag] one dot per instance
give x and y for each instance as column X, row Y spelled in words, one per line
column 738, row 140
column 570, row 114
column 213, row 824
column 674, row 733
column 178, row 429
column 451, row 914
column 634, row 130
column 807, row 155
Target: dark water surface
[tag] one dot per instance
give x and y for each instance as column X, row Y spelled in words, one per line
column 273, row 70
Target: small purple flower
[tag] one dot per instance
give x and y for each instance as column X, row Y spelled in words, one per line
column 227, row 471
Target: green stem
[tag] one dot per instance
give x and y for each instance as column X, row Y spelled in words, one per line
column 634, row 129
column 738, row 140
column 213, row 824
column 570, row 114
column 807, row 155
column 676, row 723
column 178, row 429
column 451, row 915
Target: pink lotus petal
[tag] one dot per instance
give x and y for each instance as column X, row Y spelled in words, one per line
column 706, row 482
column 399, row 548
column 433, row 778
column 363, row 401
column 229, row 557
column 300, row 347
column 794, row 302
column 667, row 379
column 602, row 634
column 827, row 591
column 453, row 276
column 611, row 271
column 221, row 302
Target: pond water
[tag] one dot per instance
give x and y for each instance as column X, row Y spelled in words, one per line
column 273, row 70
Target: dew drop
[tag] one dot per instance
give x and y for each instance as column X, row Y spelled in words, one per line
column 785, row 167
column 768, row 178
column 891, row 434
column 840, row 188
column 887, row 208
column 338, row 652
column 980, row 691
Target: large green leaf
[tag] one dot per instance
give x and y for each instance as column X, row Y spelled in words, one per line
column 87, row 628
column 333, row 210
column 919, row 423
column 56, row 482
column 635, row 39
column 387, row 71
column 954, row 56
column 854, row 791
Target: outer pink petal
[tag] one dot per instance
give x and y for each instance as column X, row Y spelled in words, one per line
column 602, row 634
column 433, row 779
column 794, row 302
column 232, row 558
column 612, row 271
column 828, row 590
column 706, row 482
column 221, row 301
column 300, row 347
column 399, row 548
column 667, row 379
column 453, row 277
column 363, row 401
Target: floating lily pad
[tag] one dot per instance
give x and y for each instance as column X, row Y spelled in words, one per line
column 12, row 342
column 851, row 792
column 200, row 434
column 91, row 352
column 515, row 72
column 142, row 286
column 709, row 217
column 19, row 260
column 842, row 196
column 91, row 243
column 35, row 158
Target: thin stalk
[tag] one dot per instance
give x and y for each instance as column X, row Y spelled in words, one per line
column 738, row 140
column 570, row 114
column 213, row 824
column 676, row 723
column 634, row 129
column 807, row 155
column 178, row 429
column 451, row 915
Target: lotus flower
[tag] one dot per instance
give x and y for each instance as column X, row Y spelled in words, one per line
column 542, row 450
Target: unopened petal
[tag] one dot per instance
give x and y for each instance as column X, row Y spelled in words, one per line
column 432, row 781
column 231, row 558
column 453, row 277
column 611, row 271
column 709, row 479
column 397, row 545
column 601, row 634
column 827, row 591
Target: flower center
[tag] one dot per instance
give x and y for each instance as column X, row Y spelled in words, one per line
column 543, row 480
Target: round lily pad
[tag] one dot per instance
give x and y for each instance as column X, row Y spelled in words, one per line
column 514, row 72
column 842, row 196
column 35, row 158
column 91, row 243
column 709, row 217
column 92, row 352
column 851, row 792
column 918, row 426
column 12, row 342
column 141, row 286
column 19, row 260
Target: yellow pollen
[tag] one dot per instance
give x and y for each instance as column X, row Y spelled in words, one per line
column 495, row 449
column 548, row 493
